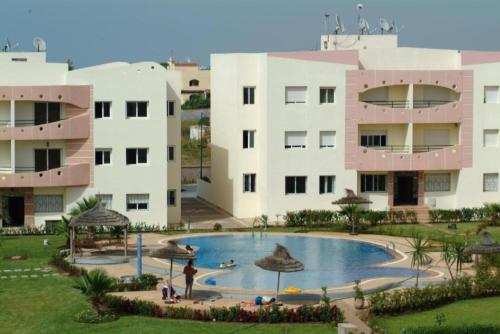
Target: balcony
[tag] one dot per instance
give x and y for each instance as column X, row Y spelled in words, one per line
column 65, row 176
column 422, row 158
column 77, row 127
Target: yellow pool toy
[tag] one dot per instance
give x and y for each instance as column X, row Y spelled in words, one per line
column 293, row 290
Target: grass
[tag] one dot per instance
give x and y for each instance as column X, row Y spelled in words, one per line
column 191, row 148
column 49, row 304
column 483, row 311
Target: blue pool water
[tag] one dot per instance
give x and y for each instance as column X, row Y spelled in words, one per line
column 327, row 262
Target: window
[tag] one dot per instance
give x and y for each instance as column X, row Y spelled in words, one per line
column 46, row 159
column 326, row 95
column 102, row 156
column 194, row 83
column 106, row 200
column 102, row 110
column 295, row 184
column 171, row 197
column 490, row 94
column 136, row 156
column 137, row 109
column 373, row 183
column 171, row 153
column 326, row 139
column 374, row 139
column 490, row 138
column 46, row 112
column 249, row 183
column 295, row 139
column 327, row 184
column 295, row 94
column 48, row 203
column 248, row 138
column 248, row 95
column 437, row 182
column 170, row 108
column 137, row 202
column 490, row 182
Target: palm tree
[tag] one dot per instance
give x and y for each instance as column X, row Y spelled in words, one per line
column 448, row 256
column 459, row 255
column 81, row 206
column 95, row 284
column 353, row 214
column 419, row 253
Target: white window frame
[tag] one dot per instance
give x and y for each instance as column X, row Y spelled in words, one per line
column 106, row 200
column 171, row 154
column 102, row 151
column 139, row 199
column 295, row 185
column 250, row 96
column 171, row 191
column 322, row 145
column 494, row 178
column 295, row 146
column 371, row 135
column 250, row 138
column 297, row 89
column 328, row 94
column 375, row 183
column 103, row 116
column 136, row 109
column 137, row 156
column 327, row 179
column 437, row 182
column 249, row 182
column 488, row 132
column 487, row 90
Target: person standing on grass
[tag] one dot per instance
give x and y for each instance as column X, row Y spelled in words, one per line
column 189, row 271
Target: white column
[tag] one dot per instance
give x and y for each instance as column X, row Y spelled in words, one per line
column 12, row 142
column 409, row 138
column 12, row 113
column 410, row 96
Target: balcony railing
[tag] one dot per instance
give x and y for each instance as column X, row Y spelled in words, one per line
column 25, row 122
column 428, row 148
column 407, row 104
column 68, row 175
column 406, row 148
column 25, row 169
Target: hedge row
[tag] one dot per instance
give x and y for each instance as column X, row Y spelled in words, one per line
column 465, row 329
column 271, row 314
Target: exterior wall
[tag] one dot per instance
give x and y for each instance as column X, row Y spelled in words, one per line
column 190, row 71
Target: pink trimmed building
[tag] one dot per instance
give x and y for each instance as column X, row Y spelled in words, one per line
column 111, row 130
column 404, row 127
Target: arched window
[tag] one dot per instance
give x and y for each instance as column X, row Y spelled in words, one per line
column 194, row 82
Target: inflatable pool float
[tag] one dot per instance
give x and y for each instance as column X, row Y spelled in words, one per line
column 291, row 290
column 227, row 265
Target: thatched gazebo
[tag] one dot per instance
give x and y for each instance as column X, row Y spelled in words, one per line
column 97, row 216
column 171, row 252
column 350, row 203
column 487, row 245
column 280, row 261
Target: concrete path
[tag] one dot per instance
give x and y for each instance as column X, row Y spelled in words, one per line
column 203, row 215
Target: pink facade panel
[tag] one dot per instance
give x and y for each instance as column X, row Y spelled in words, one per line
column 480, row 57
column 77, row 95
column 67, row 176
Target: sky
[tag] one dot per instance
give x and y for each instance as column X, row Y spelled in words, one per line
column 91, row 32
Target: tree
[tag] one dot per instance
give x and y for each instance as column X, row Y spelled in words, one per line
column 353, row 215
column 81, row 206
column 419, row 253
column 459, row 255
column 448, row 256
column 95, row 284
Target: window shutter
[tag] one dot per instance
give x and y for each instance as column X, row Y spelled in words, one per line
column 491, row 94
column 295, row 94
column 490, row 138
column 327, row 138
column 295, row 138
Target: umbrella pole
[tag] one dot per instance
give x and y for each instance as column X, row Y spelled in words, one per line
column 278, row 286
column 171, row 264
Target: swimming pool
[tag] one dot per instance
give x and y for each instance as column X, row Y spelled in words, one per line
column 328, row 262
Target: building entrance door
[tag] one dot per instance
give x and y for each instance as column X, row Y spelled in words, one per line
column 406, row 188
column 13, row 210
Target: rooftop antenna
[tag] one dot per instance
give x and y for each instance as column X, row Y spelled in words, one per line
column 326, row 23
column 385, row 26
column 8, row 46
column 39, row 44
column 364, row 27
column 395, row 28
column 339, row 25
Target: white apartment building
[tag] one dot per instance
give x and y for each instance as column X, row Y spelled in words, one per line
column 111, row 130
column 404, row 127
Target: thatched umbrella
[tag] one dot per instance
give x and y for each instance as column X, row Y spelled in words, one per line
column 97, row 216
column 487, row 245
column 280, row 261
column 171, row 252
column 350, row 202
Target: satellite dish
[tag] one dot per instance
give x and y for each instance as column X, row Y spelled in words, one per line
column 8, row 46
column 359, row 6
column 364, row 27
column 39, row 44
column 385, row 26
column 339, row 25
column 395, row 28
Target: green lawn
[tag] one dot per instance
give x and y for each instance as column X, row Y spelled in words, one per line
column 483, row 311
column 49, row 304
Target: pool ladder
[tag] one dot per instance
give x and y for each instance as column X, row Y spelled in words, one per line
column 253, row 228
column 390, row 245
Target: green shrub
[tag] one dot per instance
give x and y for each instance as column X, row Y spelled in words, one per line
column 311, row 218
column 144, row 283
column 465, row 329
column 88, row 316
column 217, row 227
column 374, row 217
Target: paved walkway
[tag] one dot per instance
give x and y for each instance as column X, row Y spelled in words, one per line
column 203, row 215
column 27, row 273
